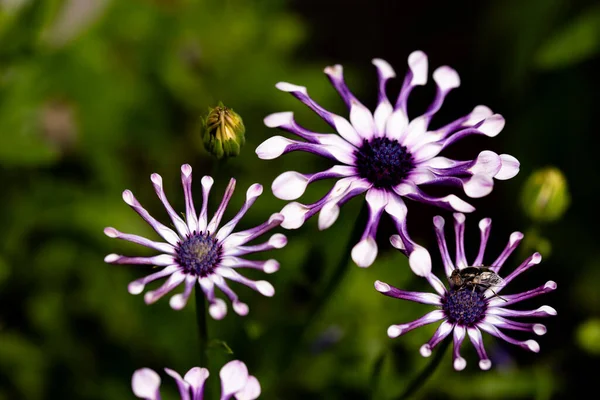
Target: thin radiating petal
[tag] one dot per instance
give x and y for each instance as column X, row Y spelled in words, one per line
column 431, row 317
column 417, row 297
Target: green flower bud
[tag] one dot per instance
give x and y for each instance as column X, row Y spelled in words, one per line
column 545, row 196
column 223, row 132
column 588, row 336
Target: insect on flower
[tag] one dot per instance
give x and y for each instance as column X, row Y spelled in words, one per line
column 466, row 309
column 480, row 278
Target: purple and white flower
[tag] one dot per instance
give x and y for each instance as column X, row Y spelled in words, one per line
column 236, row 383
column 385, row 154
column 466, row 311
column 198, row 250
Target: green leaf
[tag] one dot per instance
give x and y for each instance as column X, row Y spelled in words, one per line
column 576, row 42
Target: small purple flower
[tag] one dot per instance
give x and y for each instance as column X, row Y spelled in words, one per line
column 235, row 383
column 197, row 251
column 469, row 310
column 385, row 154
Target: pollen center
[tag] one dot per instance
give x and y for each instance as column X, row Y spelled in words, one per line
column 199, row 254
column 383, row 162
column 464, row 306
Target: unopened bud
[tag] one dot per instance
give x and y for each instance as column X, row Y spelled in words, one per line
column 223, row 132
column 545, row 196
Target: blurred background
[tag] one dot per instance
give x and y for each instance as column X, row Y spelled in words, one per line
column 95, row 95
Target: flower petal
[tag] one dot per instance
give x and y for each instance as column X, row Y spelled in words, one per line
column 234, row 376
column 145, row 384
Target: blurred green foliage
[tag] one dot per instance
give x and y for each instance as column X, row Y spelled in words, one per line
column 97, row 95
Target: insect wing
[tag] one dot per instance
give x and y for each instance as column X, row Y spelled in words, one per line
column 489, row 278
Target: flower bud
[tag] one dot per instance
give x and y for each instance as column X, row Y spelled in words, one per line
column 223, row 132
column 545, row 195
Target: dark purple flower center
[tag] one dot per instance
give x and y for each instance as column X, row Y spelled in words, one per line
column 464, row 306
column 199, row 254
column 383, row 162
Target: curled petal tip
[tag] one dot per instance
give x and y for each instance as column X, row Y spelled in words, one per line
column 177, row 302
column 218, row 309
column 279, row 119
column 128, row 197
column 240, row 308
column 382, row 287
column 420, row 261
column 156, row 179
column 539, row 329
column 186, row 169
column 277, row 217
column 289, row 87
column 459, row 217
column 110, row 232
column 334, row 70
column 425, row 350
column 532, row 345
column 485, row 364
column 364, row 252
column 446, row 78
column 135, row 287
column 397, row 242
column 207, row 180
column 111, row 258
column 271, row 266
column 492, row 125
column 265, row 288
column 145, row 383
column 394, row 331
column 278, row 240
column 254, row 190
column 485, row 223
column 459, row 363
column 548, row 310
column 384, row 67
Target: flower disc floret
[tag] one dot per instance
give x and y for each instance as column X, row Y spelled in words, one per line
column 385, row 155
column 383, row 162
column 198, row 251
column 467, row 310
column 199, row 254
column 464, row 307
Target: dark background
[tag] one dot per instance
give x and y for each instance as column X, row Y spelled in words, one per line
column 97, row 95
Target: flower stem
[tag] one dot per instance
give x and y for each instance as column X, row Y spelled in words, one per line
column 420, row 379
column 202, row 321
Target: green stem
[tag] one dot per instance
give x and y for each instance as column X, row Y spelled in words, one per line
column 420, row 379
column 202, row 320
